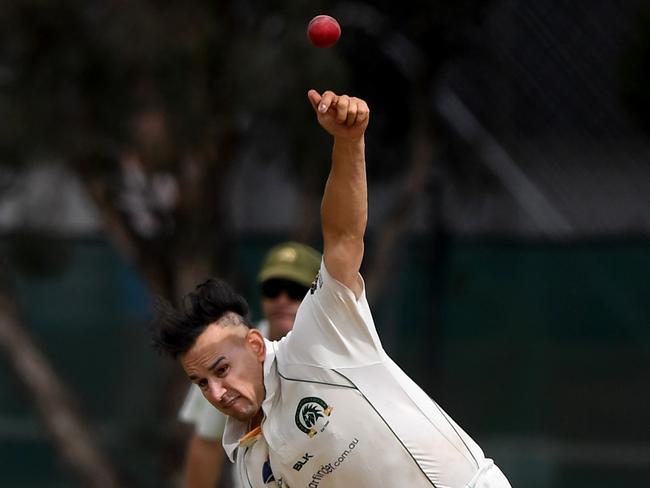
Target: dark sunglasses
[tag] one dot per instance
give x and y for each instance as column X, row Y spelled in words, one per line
column 273, row 288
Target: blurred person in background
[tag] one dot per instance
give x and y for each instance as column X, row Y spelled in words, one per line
column 287, row 272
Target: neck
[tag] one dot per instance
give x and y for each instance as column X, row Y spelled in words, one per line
column 256, row 420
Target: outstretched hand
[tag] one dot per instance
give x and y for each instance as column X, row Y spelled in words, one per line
column 341, row 116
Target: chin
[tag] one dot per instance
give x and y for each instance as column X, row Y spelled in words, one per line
column 245, row 413
column 242, row 416
column 237, row 414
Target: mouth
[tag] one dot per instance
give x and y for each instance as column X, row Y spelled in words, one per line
column 228, row 403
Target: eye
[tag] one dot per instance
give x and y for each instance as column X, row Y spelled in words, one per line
column 203, row 384
column 222, row 370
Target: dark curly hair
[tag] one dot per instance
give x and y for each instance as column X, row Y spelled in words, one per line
column 173, row 332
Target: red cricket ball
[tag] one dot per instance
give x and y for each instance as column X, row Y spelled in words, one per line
column 323, row 31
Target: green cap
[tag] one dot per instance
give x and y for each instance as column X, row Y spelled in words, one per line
column 291, row 261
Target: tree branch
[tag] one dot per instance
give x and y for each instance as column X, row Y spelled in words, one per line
column 69, row 434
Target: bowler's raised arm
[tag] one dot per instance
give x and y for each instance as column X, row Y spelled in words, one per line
column 344, row 208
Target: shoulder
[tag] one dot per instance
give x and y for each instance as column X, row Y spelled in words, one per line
column 333, row 327
column 326, row 287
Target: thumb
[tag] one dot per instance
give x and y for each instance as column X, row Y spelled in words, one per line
column 314, row 98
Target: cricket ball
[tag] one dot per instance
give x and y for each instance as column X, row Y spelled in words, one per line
column 323, row 31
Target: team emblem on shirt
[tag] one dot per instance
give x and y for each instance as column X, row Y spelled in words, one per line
column 312, row 415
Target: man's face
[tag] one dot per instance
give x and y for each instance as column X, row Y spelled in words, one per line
column 226, row 362
column 280, row 302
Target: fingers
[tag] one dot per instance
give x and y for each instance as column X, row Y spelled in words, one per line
column 342, row 108
column 340, row 115
column 314, row 98
column 351, row 111
column 328, row 100
column 321, row 103
column 345, row 110
column 363, row 113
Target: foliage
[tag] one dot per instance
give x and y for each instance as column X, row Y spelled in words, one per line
column 151, row 102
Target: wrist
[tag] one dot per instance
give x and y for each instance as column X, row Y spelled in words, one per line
column 349, row 144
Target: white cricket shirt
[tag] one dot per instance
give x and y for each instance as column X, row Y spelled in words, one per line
column 340, row 413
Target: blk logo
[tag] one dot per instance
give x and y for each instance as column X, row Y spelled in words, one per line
column 299, row 464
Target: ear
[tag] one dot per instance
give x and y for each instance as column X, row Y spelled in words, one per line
column 255, row 341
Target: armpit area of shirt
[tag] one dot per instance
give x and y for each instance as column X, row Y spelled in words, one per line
column 335, row 284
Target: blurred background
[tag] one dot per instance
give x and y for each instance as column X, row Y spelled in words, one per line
column 147, row 145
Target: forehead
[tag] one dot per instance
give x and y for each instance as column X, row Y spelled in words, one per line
column 215, row 340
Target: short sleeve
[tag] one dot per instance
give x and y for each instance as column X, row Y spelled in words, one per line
column 208, row 422
column 333, row 328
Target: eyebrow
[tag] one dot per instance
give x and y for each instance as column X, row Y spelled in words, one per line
column 194, row 377
column 216, row 363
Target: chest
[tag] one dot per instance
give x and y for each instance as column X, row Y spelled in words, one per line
column 323, row 431
column 326, row 434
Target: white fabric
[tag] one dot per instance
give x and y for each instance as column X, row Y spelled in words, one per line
column 489, row 476
column 208, row 421
column 340, row 413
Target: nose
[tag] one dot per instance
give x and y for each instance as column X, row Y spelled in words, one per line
column 216, row 391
